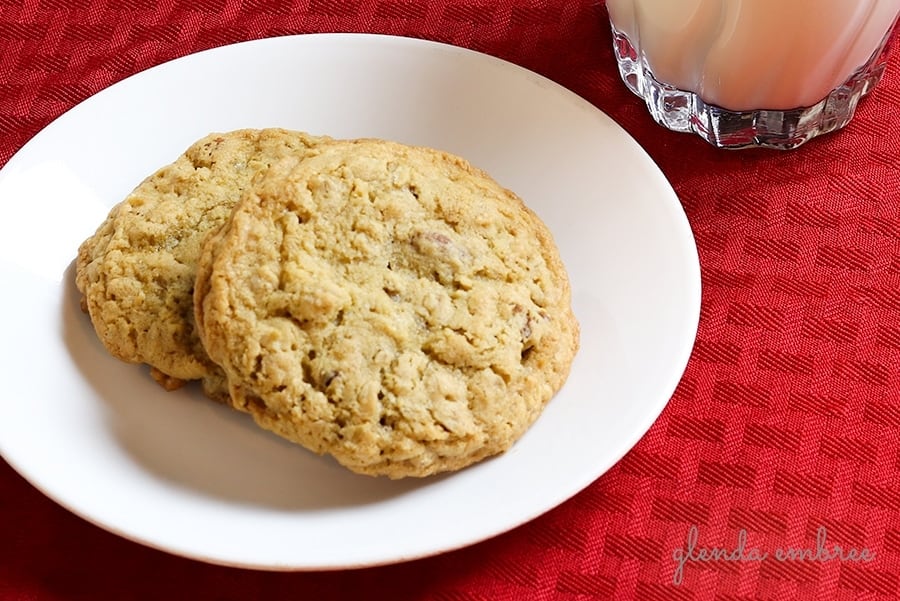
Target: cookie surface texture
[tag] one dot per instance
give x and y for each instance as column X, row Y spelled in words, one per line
column 136, row 273
column 389, row 305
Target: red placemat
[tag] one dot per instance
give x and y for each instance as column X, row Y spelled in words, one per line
column 782, row 438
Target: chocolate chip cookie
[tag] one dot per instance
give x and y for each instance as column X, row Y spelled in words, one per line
column 389, row 305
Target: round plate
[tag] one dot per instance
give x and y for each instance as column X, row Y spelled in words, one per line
column 183, row 474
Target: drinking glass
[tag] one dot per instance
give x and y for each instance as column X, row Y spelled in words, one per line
column 751, row 73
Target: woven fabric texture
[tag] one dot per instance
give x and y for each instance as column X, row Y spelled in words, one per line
column 784, row 428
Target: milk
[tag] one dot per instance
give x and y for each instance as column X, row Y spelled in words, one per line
column 755, row 54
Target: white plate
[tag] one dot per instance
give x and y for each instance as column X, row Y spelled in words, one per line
column 179, row 473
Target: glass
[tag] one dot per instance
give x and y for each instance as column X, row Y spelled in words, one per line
column 751, row 73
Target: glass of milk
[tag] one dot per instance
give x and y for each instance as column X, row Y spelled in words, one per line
column 749, row 73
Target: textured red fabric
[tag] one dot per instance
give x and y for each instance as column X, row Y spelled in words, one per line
column 787, row 420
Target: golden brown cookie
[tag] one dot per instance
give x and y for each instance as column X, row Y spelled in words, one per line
column 137, row 271
column 389, row 305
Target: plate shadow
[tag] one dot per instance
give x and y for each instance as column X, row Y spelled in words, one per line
column 188, row 441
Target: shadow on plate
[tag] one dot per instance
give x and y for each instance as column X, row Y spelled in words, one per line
column 187, row 440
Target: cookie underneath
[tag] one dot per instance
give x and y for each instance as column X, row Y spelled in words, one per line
column 136, row 273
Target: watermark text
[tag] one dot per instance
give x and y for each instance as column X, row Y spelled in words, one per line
column 694, row 553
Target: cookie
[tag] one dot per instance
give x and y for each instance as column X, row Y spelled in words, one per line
column 391, row 306
column 136, row 273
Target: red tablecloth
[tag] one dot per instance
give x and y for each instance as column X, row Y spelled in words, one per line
column 785, row 426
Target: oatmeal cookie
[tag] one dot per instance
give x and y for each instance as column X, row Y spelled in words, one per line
column 136, row 273
column 389, row 305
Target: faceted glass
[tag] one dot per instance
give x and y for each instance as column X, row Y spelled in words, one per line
column 758, row 73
